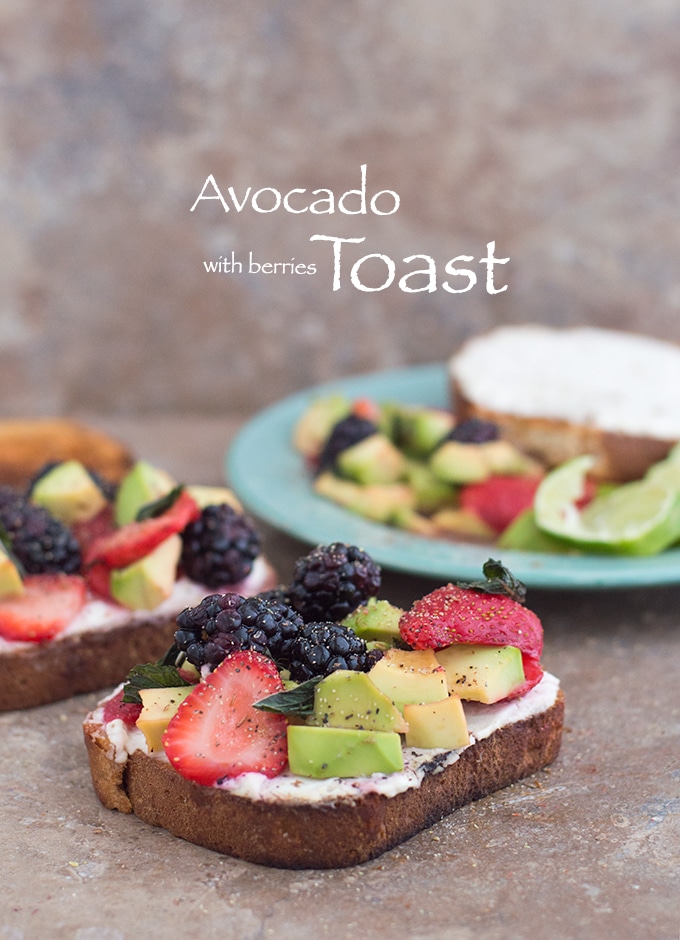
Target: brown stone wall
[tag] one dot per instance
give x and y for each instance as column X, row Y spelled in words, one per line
column 550, row 129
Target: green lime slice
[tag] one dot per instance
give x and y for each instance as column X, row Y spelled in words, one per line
column 639, row 518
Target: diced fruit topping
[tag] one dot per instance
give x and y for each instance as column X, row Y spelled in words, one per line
column 147, row 582
column 499, row 499
column 348, row 699
column 132, row 541
column 47, row 605
column 321, row 648
column 456, row 614
column 219, row 547
column 159, row 706
column 331, row 581
column 410, row 676
column 41, row 543
column 437, row 724
column 216, row 732
column 115, row 707
column 224, row 623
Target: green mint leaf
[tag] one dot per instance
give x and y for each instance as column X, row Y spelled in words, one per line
column 296, row 701
column 498, row 580
column 151, row 676
column 158, row 506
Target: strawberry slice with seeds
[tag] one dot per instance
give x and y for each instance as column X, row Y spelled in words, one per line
column 217, row 733
column 134, row 540
column 46, row 607
column 453, row 614
column 115, row 707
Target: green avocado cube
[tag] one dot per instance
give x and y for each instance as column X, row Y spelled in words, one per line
column 342, row 752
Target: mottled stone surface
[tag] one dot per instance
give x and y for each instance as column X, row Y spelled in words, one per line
column 549, row 130
column 585, row 849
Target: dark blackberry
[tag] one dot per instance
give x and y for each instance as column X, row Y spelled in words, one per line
column 219, row 548
column 321, row 648
column 474, row 431
column 332, row 580
column 223, row 623
column 41, row 543
column 347, row 432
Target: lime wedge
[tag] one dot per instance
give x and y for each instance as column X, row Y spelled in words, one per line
column 639, row 518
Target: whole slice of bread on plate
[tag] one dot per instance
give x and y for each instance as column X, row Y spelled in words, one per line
column 299, row 759
column 559, row 393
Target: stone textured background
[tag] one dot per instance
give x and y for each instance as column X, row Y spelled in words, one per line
column 552, row 130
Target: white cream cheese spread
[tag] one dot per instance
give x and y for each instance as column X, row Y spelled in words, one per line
column 582, row 375
column 482, row 721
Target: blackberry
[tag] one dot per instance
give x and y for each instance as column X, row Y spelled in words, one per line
column 219, row 547
column 321, row 648
column 223, row 623
column 41, row 543
column 332, row 581
column 345, row 433
column 474, row 431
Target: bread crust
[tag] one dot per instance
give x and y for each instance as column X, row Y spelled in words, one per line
column 324, row 835
column 26, row 445
column 618, row 457
column 40, row 673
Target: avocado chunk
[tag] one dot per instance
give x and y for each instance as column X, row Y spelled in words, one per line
column 437, row 724
column 316, row 423
column 378, row 501
column 410, row 676
column 431, row 493
column 158, row 707
column 144, row 584
column 418, row 430
column 348, row 699
column 143, row 484
column 458, row 462
column 462, row 523
column 10, row 578
column 482, row 673
column 69, row 493
column 375, row 620
column 374, row 459
column 342, row 752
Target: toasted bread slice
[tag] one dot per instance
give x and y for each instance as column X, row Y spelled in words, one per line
column 298, row 823
column 556, row 394
column 26, row 445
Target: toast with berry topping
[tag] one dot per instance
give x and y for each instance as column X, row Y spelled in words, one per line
column 94, row 572
column 317, row 726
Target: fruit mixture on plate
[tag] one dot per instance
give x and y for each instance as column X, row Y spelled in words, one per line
column 322, row 678
column 71, row 537
column 416, row 468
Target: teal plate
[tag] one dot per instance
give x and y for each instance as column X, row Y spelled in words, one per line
column 270, row 479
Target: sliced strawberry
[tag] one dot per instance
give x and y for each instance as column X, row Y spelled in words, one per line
column 452, row 614
column 46, row 607
column 499, row 499
column 217, row 733
column 115, row 707
column 133, row 541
